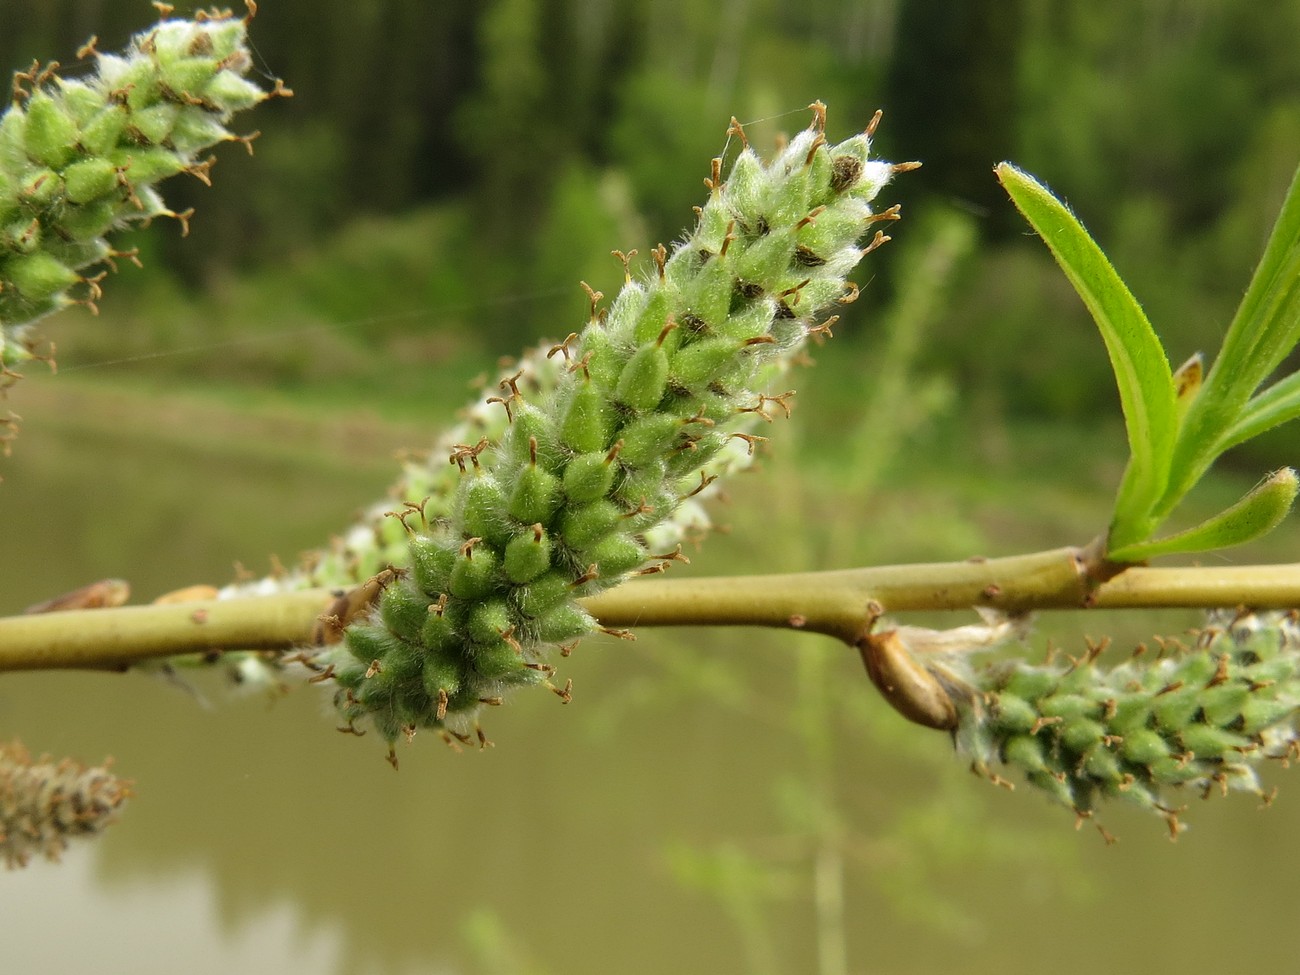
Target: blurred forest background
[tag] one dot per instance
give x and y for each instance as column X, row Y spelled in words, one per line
column 427, row 202
column 447, row 172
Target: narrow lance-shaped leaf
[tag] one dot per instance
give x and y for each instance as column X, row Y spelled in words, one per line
column 1271, row 408
column 1264, row 330
column 1255, row 515
column 1141, row 368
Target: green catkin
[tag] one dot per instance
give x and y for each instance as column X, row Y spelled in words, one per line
column 79, row 159
column 592, row 456
column 1205, row 716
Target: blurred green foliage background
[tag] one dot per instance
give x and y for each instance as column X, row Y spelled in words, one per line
column 447, row 172
column 427, row 202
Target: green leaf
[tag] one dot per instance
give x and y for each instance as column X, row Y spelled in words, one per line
column 1273, row 407
column 1146, row 386
column 1263, row 332
column 1258, row 513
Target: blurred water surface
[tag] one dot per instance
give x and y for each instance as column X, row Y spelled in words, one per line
column 261, row 841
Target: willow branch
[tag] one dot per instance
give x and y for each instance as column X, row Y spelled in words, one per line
column 833, row 603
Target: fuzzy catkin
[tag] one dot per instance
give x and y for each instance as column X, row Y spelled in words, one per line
column 1202, row 717
column 587, row 478
column 81, row 157
column 44, row 804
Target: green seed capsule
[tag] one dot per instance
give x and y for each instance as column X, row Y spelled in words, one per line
column 1259, row 713
column 1144, row 747
column 1175, row 709
column 589, row 476
column 1206, row 742
column 649, row 438
column 145, row 165
column 1081, row 735
column 497, row 661
column 489, row 621
column 588, row 421
column 1101, row 763
column 708, row 296
column 644, row 483
column 1176, row 770
column 1197, row 669
column 89, row 179
column 1010, row 713
column 438, row 634
column 188, row 75
column 701, row 363
column 41, row 187
column 1025, row 751
column 441, row 674
column 431, row 565
column 104, row 131
column 532, row 439
column 1070, row 707
column 1222, row 704
column 482, row 504
column 583, row 525
column 604, row 360
column 196, row 129
column 654, row 315
column 1032, row 683
column 39, row 276
column 475, row 573
column 564, row 622
column 644, row 379
column 231, row 93
column 528, row 555
column 155, row 123
column 543, row 593
column 1129, row 713
column 368, row 642
column 1058, row 787
column 51, row 132
column 614, row 556
column 536, row 496
column 404, row 611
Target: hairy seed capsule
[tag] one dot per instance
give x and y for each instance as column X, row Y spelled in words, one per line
column 367, row 642
column 1081, row 735
column 564, row 622
column 588, row 421
column 489, row 621
column 483, row 510
column 1144, row 747
column 442, row 676
column 528, row 555
column 474, row 574
column 589, row 476
column 614, row 556
column 1010, row 713
column 404, row 611
column 542, row 594
column 498, row 661
column 431, row 565
column 648, row 438
column 643, row 380
column 536, row 496
column 583, row 525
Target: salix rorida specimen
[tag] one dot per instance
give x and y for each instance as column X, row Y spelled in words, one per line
column 1200, row 715
column 656, row 392
column 82, row 157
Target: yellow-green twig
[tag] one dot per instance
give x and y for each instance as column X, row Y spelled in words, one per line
column 833, row 603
